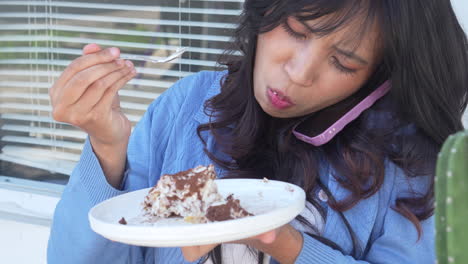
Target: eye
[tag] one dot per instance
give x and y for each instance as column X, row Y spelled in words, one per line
column 293, row 33
column 337, row 64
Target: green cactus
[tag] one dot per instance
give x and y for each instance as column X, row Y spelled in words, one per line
column 451, row 191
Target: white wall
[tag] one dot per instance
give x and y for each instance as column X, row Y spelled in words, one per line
column 26, row 209
column 23, row 243
column 461, row 8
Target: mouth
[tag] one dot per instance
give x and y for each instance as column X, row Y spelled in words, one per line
column 278, row 99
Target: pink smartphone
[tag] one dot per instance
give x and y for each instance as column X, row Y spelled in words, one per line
column 332, row 120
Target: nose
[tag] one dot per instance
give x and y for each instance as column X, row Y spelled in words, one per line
column 302, row 66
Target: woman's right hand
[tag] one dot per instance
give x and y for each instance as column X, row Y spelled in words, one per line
column 85, row 95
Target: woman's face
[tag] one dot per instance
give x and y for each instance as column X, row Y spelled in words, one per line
column 297, row 73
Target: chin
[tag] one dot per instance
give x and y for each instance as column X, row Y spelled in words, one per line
column 277, row 114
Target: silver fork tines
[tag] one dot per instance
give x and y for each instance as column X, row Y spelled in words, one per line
column 169, row 58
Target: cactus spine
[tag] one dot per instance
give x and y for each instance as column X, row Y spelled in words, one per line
column 451, row 191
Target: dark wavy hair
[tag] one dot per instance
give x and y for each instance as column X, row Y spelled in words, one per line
column 423, row 54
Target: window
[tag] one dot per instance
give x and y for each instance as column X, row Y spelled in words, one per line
column 38, row 39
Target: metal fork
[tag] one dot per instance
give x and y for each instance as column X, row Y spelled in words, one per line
column 169, row 58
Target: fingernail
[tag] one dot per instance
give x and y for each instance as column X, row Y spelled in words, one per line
column 134, row 72
column 115, row 52
column 129, row 63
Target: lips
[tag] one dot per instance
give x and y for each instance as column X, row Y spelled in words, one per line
column 278, row 99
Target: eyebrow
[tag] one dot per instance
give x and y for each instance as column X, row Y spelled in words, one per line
column 350, row 55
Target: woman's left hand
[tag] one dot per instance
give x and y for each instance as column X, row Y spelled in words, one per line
column 283, row 244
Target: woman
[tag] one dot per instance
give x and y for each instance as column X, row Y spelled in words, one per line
column 304, row 68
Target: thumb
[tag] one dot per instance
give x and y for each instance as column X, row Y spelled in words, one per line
column 91, row 48
column 268, row 237
column 192, row 253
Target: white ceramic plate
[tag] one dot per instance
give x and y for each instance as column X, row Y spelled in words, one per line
column 273, row 204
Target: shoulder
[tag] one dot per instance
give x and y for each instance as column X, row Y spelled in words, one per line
column 198, row 84
column 190, row 91
column 414, row 153
column 398, row 186
column 403, row 185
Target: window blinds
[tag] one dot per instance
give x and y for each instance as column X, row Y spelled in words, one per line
column 38, row 39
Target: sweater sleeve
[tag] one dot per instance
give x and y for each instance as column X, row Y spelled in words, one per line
column 397, row 245
column 72, row 239
column 397, row 240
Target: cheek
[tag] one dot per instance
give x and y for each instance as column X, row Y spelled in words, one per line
column 331, row 89
column 273, row 45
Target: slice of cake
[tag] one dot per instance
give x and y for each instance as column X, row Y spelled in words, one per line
column 191, row 194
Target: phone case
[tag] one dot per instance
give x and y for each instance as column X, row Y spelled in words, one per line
column 349, row 116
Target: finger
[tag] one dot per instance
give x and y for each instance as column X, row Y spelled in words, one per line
column 195, row 252
column 268, row 237
column 95, row 92
column 78, row 113
column 91, row 48
column 110, row 94
column 87, row 61
column 77, row 85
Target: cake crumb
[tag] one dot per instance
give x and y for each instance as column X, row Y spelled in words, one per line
column 265, row 180
column 228, row 211
column 122, row 221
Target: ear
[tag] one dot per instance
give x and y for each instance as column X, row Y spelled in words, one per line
column 91, row 48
